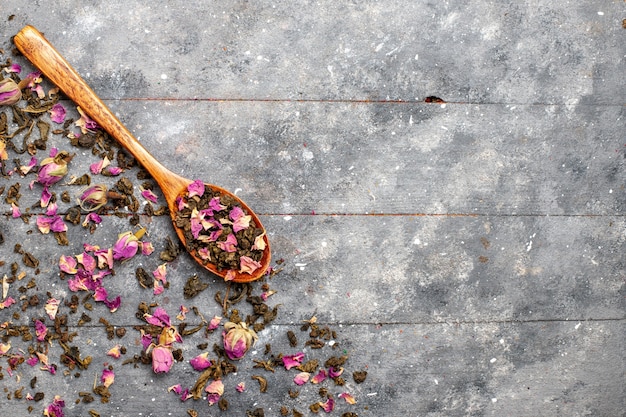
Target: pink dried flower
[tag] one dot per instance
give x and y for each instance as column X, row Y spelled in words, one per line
column 169, row 335
column 160, row 273
column 68, row 264
column 238, row 338
column 57, row 113
column 334, row 373
column 126, row 246
column 108, row 377
column 33, row 81
column 113, row 304
column 112, row 171
column 162, row 359
column 183, row 393
column 149, row 195
column 158, row 318
column 241, row 387
column 40, row 330
column 291, row 361
column 97, row 167
column 320, row 377
column 215, row 390
column 195, row 188
column 228, row 245
column 87, row 261
column 55, row 409
column 248, row 265
column 7, row 302
column 201, row 362
column 182, row 315
column 85, row 123
column 25, row 169
column 93, row 197
column 302, row 378
column 92, row 217
column 115, row 351
column 214, row 323
column 15, row 209
column 52, row 307
column 105, row 258
column 349, row 398
column 10, row 92
column 239, row 218
column 157, row 288
column 15, row 68
column 52, row 169
column 329, row 405
column 215, row 204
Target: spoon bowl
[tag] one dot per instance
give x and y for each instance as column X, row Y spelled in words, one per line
column 34, row 46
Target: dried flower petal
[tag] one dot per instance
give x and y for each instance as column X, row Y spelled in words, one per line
column 68, row 264
column 291, row 361
column 149, row 195
column 215, row 390
column 229, row 245
column 348, row 397
column 302, row 378
column 85, row 123
column 52, row 307
column 126, row 246
column 201, row 362
column 25, row 169
column 320, row 377
column 108, row 377
column 240, row 220
column 214, row 323
column 115, row 351
column 57, row 113
column 87, row 261
column 241, row 387
column 16, row 213
column 259, row 242
column 248, row 265
column 92, row 217
column 40, row 330
column 159, row 318
column 97, row 167
column 160, row 273
column 55, row 409
column 4, row 348
column 183, row 313
column 113, row 304
column 7, row 302
column 195, row 188
column 329, row 405
column 334, row 373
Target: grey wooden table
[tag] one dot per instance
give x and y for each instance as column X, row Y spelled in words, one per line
column 442, row 184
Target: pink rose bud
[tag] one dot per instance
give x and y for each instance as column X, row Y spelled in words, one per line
column 10, row 92
column 54, row 168
column 238, row 339
column 162, row 359
column 126, row 246
column 93, row 197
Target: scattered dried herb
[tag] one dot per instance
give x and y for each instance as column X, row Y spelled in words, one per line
column 262, row 382
column 359, row 376
column 193, row 286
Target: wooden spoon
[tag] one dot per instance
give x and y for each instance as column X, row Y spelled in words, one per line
column 49, row 61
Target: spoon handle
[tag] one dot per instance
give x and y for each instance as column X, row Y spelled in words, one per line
column 49, row 61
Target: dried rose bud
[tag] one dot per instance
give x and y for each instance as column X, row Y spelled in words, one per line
column 10, row 92
column 126, row 246
column 162, row 359
column 238, row 339
column 54, row 168
column 93, row 197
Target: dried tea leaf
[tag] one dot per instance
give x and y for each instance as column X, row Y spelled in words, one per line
column 293, row 340
column 193, row 287
column 144, row 279
column 359, row 376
